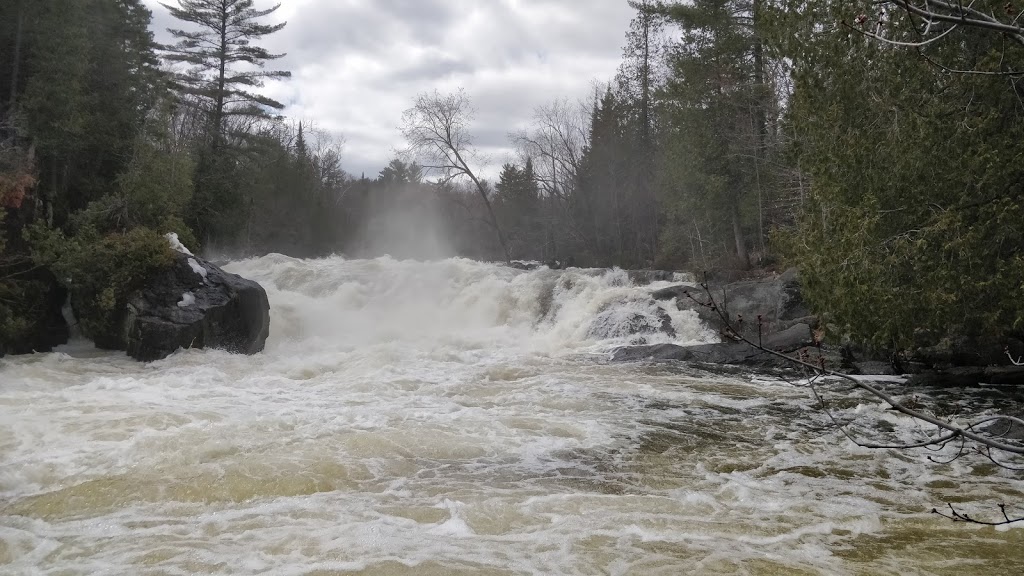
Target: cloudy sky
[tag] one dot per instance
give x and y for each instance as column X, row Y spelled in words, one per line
column 357, row 64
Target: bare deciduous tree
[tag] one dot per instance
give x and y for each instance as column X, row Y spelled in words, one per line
column 436, row 129
column 556, row 143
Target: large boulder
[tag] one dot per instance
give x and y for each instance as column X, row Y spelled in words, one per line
column 195, row 304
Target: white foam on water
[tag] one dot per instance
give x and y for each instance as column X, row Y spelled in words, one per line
column 456, row 417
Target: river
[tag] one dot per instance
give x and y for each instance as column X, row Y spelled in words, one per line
column 457, row 417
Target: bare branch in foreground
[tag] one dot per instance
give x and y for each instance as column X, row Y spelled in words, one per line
column 957, row 516
column 985, row 443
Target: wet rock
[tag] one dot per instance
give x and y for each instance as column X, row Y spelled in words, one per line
column 631, row 318
column 195, row 304
column 969, row 376
column 777, row 300
column 874, row 368
column 963, row 350
column 1006, row 429
column 678, row 292
column 644, row 277
column 522, row 265
column 41, row 307
column 790, row 340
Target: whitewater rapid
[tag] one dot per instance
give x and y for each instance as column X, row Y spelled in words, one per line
column 457, row 417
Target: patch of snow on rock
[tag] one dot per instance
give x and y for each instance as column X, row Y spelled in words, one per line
column 197, row 267
column 172, row 239
column 187, row 299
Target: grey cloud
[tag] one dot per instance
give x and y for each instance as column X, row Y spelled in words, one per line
column 490, row 136
column 365, row 27
column 427, row 69
column 357, row 64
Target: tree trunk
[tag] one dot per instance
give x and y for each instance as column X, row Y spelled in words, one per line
column 741, row 245
column 52, row 194
column 490, row 209
column 760, row 114
column 18, row 36
column 218, row 113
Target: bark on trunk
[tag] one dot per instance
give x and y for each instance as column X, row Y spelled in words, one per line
column 18, row 35
column 741, row 245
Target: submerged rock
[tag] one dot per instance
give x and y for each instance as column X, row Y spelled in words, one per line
column 523, row 265
column 625, row 317
column 195, row 304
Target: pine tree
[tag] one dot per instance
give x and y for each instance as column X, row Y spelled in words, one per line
column 224, row 62
column 398, row 172
column 301, row 150
column 715, row 101
column 641, row 75
column 604, row 202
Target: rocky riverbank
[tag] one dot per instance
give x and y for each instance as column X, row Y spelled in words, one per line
column 771, row 311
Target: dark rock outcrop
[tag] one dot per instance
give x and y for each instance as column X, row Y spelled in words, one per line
column 678, row 292
column 874, row 367
column 41, row 306
column 792, row 339
column 967, row 351
column 195, row 304
column 969, row 376
column 52, row 330
column 777, row 300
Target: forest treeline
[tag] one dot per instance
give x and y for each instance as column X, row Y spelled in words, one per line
column 877, row 147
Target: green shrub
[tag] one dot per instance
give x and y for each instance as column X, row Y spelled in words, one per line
column 23, row 303
column 101, row 271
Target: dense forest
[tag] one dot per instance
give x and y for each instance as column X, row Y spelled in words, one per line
column 876, row 145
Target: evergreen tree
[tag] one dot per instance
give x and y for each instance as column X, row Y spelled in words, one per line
column 398, row 172
column 715, row 125
column 604, row 203
column 641, row 76
column 516, row 198
column 914, row 225
column 90, row 80
column 224, row 63
column 223, row 67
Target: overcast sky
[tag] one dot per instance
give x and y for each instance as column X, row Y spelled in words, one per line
column 357, row 64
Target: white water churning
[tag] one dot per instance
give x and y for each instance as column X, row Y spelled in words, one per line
column 457, row 418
